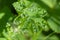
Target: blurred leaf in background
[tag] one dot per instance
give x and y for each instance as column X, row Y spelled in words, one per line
column 50, row 3
column 5, row 15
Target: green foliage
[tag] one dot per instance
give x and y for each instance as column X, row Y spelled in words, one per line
column 36, row 20
column 50, row 3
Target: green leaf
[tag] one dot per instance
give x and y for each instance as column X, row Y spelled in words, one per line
column 1, row 15
column 53, row 25
column 53, row 37
column 44, row 37
column 50, row 3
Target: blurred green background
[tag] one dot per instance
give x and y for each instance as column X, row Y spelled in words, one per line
column 29, row 19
